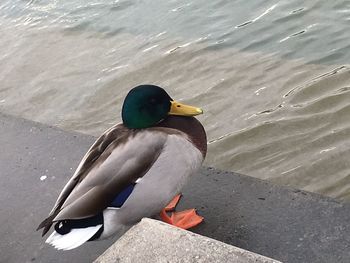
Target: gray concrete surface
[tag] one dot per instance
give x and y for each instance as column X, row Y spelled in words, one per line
column 279, row 222
column 157, row 242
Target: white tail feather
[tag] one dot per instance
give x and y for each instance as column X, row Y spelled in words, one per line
column 75, row 238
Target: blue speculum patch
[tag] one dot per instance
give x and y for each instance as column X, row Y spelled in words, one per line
column 120, row 199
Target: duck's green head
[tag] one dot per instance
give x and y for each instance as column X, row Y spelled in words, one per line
column 147, row 105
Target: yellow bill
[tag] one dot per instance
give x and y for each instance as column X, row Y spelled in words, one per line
column 184, row 110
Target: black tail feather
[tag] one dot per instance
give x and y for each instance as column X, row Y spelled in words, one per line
column 46, row 224
column 65, row 226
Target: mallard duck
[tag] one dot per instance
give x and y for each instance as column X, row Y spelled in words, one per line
column 133, row 170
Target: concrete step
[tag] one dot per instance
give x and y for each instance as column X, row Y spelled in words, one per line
column 157, row 242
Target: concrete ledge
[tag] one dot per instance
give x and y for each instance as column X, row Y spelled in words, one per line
column 279, row 222
column 155, row 241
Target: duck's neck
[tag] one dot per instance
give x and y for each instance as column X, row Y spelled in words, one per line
column 189, row 125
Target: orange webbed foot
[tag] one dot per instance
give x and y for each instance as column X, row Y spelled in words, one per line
column 185, row 219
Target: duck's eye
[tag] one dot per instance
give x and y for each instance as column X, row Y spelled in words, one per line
column 153, row 101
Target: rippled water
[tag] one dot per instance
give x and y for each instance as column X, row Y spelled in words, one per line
column 272, row 76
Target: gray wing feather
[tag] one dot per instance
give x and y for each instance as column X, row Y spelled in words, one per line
column 100, row 175
column 123, row 165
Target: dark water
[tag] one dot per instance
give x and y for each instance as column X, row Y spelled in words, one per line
column 272, row 76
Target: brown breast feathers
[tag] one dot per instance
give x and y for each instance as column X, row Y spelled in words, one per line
column 189, row 125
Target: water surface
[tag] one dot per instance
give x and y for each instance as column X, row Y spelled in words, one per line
column 272, row 76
